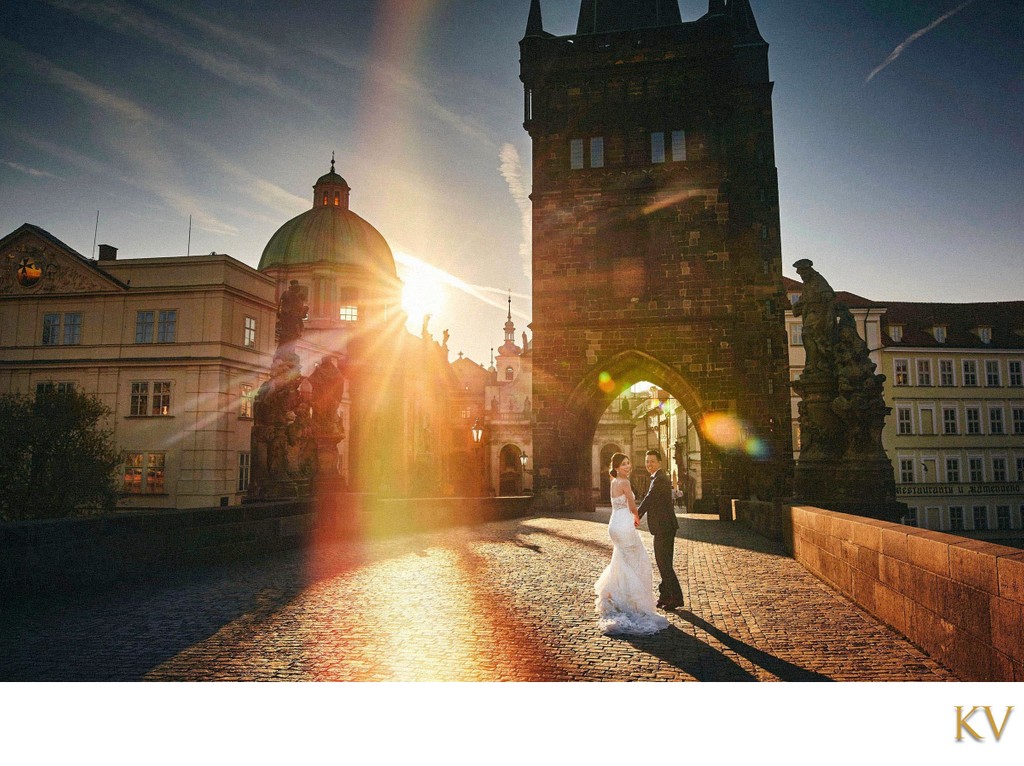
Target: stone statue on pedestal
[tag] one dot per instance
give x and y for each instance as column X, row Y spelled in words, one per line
column 842, row 464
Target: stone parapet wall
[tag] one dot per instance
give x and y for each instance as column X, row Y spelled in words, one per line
column 67, row 555
column 960, row 600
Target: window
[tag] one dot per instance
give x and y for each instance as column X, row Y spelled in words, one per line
column 906, row 471
column 995, row 420
column 1020, row 469
column 985, row 333
column 576, row 154
column 1003, row 516
column 245, row 403
column 657, row 148
column 896, row 333
column 49, row 387
column 981, row 517
column 911, row 518
column 924, row 372
column 946, row 373
column 244, row 471
column 162, row 398
column 970, row 372
column 952, row 470
column 143, row 326
column 796, row 334
column 1018, row 420
column 974, row 466
column 249, row 332
column 144, row 473
column 940, row 333
column 166, row 326
column 973, row 420
column 72, row 335
column 140, row 398
column 956, row 519
column 72, row 329
column 904, row 422
column 949, row 423
column 1016, row 376
column 348, row 313
column 678, row 145
column 902, row 368
column 510, row 373
column 999, row 469
column 597, row 152
column 992, row 373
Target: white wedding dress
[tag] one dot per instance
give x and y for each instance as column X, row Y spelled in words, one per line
column 625, row 590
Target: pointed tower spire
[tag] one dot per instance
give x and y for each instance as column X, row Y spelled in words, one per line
column 535, row 24
column 743, row 20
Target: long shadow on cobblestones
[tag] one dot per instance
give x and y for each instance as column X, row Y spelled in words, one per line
column 681, row 650
column 784, row 671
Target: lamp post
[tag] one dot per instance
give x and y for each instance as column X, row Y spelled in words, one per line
column 524, row 459
column 478, row 434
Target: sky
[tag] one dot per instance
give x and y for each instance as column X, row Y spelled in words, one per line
column 899, row 131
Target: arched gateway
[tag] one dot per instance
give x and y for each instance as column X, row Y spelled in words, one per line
column 656, row 248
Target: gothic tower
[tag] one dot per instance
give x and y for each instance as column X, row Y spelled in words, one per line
column 656, row 248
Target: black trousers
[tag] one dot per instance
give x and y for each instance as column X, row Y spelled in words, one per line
column 664, row 548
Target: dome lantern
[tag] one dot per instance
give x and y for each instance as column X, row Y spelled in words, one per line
column 331, row 190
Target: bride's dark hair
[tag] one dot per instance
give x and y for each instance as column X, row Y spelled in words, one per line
column 617, row 459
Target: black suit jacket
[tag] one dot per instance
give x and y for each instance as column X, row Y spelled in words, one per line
column 657, row 504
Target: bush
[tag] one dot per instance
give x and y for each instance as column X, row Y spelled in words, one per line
column 56, row 459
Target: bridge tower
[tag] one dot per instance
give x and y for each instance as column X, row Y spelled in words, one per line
column 656, row 245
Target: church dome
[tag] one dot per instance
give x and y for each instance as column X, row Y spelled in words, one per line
column 329, row 233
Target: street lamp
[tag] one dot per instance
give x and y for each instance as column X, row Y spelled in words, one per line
column 477, row 431
column 523, row 458
column 478, row 434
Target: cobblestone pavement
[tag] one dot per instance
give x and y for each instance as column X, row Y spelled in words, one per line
column 505, row 601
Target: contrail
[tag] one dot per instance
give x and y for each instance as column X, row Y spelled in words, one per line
column 512, row 171
column 917, row 35
column 480, row 292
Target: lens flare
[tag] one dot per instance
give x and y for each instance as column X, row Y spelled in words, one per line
column 605, row 382
column 757, row 448
column 724, row 431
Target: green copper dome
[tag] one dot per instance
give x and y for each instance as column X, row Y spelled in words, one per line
column 329, row 233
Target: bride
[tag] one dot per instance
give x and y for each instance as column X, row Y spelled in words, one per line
column 625, row 594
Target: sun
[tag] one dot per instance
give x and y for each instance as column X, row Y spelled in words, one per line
column 422, row 294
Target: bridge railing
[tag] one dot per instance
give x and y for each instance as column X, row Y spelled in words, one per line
column 960, row 600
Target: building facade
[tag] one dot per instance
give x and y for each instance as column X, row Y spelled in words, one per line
column 174, row 347
column 955, row 436
column 656, row 242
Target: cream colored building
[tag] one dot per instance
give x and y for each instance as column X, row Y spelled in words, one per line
column 175, row 347
column 956, row 434
column 954, row 382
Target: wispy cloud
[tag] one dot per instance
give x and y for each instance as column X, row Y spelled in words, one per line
column 146, row 140
column 899, row 49
column 512, row 171
column 35, row 173
column 124, row 18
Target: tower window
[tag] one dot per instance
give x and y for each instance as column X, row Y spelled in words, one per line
column 325, row 199
column 576, row 154
column 337, row 199
column 509, row 373
column 674, row 140
column 597, row 152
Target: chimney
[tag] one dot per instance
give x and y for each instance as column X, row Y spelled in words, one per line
column 108, row 253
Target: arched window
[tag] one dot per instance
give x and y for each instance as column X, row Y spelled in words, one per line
column 510, row 373
column 337, row 199
column 325, row 199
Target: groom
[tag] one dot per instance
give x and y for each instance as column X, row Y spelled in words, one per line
column 663, row 525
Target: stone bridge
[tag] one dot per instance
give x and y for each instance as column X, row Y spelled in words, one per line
column 513, row 600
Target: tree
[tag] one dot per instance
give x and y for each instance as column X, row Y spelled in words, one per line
column 56, row 458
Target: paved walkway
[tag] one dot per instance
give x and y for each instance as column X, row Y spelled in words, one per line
column 505, row 601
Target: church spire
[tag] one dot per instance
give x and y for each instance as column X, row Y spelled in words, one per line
column 597, row 16
column 535, row 24
column 744, row 22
